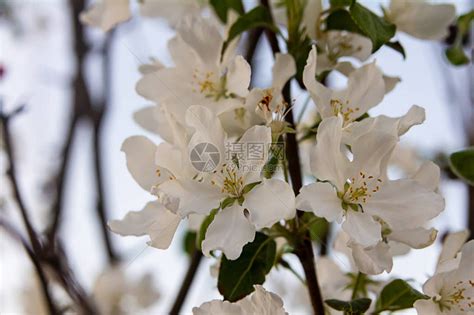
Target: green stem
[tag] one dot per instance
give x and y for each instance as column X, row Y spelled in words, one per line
column 358, row 282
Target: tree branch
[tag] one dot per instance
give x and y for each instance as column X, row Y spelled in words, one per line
column 36, row 263
column 188, row 280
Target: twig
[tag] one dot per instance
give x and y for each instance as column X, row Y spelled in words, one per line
column 188, row 280
column 36, row 263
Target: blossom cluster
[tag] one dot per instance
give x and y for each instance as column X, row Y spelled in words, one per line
column 216, row 169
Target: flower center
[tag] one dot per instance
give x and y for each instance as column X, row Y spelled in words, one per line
column 339, row 108
column 229, row 180
column 359, row 188
column 209, row 84
column 457, row 299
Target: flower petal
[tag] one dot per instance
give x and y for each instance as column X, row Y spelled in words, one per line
column 106, row 14
column 362, row 228
column 405, row 204
column 218, row 307
column 327, row 160
column 229, row 232
column 262, row 302
column 192, row 196
column 372, row 260
column 321, row 199
column 451, row 247
column 319, row 93
column 155, row 220
column 283, row 69
column 238, row 77
column 421, row 19
column 140, row 155
column 415, row 238
column 269, row 202
column 428, row 175
column 427, row 307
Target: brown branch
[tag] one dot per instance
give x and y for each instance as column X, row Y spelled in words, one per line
column 188, row 280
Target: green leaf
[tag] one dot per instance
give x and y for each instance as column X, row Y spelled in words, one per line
column 464, row 21
column 397, row 295
column 189, row 242
column 340, row 3
column 456, row 55
column 237, row 277
column 257, row 17
column 222, row 7
column 341, row 20
column 204, row 225
column 462, row 164
column 317, row 227
column 249, row 187
column 373, row 26
column 227, row 202
column 397, row 47
column 354, row 307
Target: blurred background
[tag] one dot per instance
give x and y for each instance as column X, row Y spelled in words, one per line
column 42, row 46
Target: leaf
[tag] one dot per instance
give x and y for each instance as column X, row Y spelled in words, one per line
column 249, row 187
column 204, row 225
column 227, row 202
column 397, row 47
column 317, row 227
column 456, row 55
column 237, row 277
column 397, row 295
column 354, row 307
column 373, row 26
column 222, row 7
column 340, row 3
column 341, row 20
column 257, row 17
column 462, row 164
column 189, row 242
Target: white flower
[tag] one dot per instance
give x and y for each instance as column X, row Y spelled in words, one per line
column 337, row 44
column 200, row 75
column 365, row 89
column 112, row 289
column 268, row 202
column 259, row 302
column 421, row 19
column 269, row 103
column 171, row 10
column 359, row 191
column 106, row 14
column 452, row 244
column 451, row 292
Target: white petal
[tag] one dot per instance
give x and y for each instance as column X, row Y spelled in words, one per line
column 260, row 138
column 283, row 69
column 362, row 228
column 321, row 199
column 207, row 128
column 106, row 14
column 269, row 202
column 330, row 277
column 365, row 89
column 145, row 118
column 183, row 55
column 327, row 161
column 390, row 83
column 372, row 260
column 218, row 307
column 196, row 32
column 238, row 77
column 415, row 238
column 451, row 247
column 155, row 220
column 428, row 175
column 140, row 155
column 262, row 302
column 404, row 204
column 319, row 93
column 421, row 19
column 311, row 16
column 229, row 232
column 193, row 196
column 427, row 307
